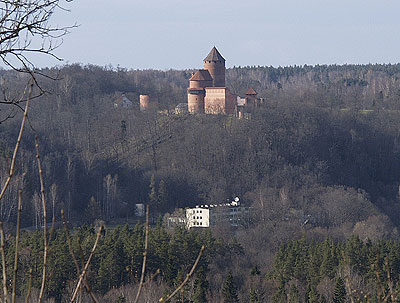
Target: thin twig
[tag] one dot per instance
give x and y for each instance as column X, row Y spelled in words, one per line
column 85, row 281
column 146, row 243
column 3, row 263
column 187, row 277
column 158, row 271
column 46, row 246
column 87, row 286
column 82, row 275
column 28, row 294
column 21, row 130
column 16, row 254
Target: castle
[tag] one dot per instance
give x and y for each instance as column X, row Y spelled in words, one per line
column 208, row 94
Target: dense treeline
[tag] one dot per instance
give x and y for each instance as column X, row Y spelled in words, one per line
column 326, row 271
column 118, row 260
column 303, row 270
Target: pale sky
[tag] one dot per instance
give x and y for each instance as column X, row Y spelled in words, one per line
column 178, row 34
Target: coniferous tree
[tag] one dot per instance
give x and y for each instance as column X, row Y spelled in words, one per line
column 280, row 294
column 229, row 290
column 294, row 296
column 254, row 298
column 339, row 293
column 162, row 195
column 153, row 197
column 313, row 296
column 200, row 287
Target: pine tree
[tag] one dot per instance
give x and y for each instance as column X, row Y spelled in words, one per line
column 339, row 293
column 328, row 259
column 162, row 195
column 254, row 296
column 280, row 294
column 313, row 296
column 200, row 287
column 153, row 198
column 229, row 290
column 294, row 294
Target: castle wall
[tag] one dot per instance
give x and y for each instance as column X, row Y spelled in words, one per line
column 230, row 104
column 219, row 100
column 214, row 101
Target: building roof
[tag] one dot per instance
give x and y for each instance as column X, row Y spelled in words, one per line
column 214, row 55
column 251, row 91
column 123, row 100
column 182, row 105
column 201, row 75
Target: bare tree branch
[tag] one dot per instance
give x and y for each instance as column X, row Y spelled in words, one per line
column 28, row 294
column 25, row 29
column 3, row 263
column 16, row 253
column 46, row 246
column 11, row 173
column 87, row 286
column 146, row 243
column 187, row 277
column 81, row 277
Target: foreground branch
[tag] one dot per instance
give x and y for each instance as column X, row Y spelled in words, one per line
column 187, row 277
column 21, row 130
column 146, row 242
column 46, row 247
column 16, row 254
column 81, row 277
column 3, row 263
column 87, row 286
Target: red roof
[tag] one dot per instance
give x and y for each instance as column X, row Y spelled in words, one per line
column 201, row 75
column 251, row 91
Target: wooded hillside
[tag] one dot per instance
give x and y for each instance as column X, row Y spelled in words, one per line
column 319, row 157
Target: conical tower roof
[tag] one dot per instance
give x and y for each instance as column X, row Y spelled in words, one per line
column 214, row 55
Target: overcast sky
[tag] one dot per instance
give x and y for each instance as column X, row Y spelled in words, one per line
column 178, row 34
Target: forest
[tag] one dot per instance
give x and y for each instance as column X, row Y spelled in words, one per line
column 318, row 164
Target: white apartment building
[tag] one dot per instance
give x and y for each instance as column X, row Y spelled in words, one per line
column 210, row 215
column 198, row 217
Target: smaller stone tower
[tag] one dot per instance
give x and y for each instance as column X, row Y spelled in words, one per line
column 215, row 64
column 148, row 103
column 251, row 98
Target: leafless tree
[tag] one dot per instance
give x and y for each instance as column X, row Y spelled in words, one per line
column 26, row 29
column 25, row 32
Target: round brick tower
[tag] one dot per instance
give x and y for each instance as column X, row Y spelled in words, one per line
column 196, row 93
column 215, row 64
column 144, row 102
